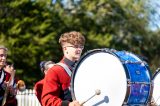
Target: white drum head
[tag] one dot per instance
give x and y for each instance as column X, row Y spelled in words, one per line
column 102, row 71
column 156, row 89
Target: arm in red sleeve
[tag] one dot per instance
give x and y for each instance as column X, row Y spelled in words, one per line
column 52, row 88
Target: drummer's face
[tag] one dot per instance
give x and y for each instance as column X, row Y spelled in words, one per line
column 3, row 56
column 73, row 52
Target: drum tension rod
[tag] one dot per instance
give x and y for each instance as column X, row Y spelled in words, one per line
column 158, row 69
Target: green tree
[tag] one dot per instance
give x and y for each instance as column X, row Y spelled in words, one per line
column 26, row 29
column 30, row 29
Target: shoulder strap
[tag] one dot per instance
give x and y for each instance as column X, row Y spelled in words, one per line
column 65, row 68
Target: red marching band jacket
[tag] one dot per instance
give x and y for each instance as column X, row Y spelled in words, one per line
column 56, row 87
column 38, row 89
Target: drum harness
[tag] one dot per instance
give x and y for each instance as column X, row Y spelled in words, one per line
column 65, row 68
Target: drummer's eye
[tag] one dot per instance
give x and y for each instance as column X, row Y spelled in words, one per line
column 77, row 46
column 3, row 55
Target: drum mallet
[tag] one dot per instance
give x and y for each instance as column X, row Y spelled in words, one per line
column 97, row 92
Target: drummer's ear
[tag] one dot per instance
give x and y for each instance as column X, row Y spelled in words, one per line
column 66, row 49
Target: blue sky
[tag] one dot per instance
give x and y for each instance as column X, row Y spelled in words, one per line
column 155, row 18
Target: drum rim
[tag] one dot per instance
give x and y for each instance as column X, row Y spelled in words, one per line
column 155, row 74
column 153, row 78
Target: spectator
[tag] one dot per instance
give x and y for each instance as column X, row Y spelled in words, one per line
column 7, row 80
column 44, row 66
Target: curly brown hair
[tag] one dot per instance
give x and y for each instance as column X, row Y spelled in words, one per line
column 73, row 37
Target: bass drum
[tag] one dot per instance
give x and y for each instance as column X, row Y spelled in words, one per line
column 156, row 88
column 121, row 77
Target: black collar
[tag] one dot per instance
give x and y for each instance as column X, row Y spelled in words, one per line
column 69, row 63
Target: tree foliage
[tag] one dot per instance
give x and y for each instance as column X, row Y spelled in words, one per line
column 31, row 28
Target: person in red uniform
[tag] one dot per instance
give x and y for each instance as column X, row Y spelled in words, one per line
column 6, row 72
column 44, row 66
column 56, row 86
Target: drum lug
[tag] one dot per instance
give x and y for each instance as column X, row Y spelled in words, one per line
column 128, row 82
column 124, row 104
column 113, row 50
column 158, row 69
